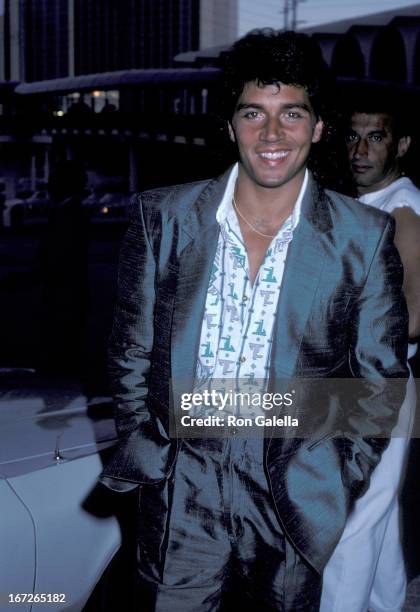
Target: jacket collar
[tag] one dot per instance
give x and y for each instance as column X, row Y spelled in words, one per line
column 202, row 212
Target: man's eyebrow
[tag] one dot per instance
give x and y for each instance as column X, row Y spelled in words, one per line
column 244, row 105
column 286, row 106
column 300, row 105
column 377, row 133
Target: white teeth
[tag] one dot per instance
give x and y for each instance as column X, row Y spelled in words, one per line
column 274, row 155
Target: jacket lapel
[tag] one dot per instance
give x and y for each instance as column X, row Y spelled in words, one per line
column 303, row 271
column 200, row 233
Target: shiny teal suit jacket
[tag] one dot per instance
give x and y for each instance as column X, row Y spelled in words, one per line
column 340, row 313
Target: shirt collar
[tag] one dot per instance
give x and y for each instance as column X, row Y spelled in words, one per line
column 226, row 210
column 367, row 198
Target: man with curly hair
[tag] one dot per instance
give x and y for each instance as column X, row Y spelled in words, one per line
column 259, row 276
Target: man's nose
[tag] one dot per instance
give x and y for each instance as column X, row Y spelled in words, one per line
column 272, row 130
column 360, row 148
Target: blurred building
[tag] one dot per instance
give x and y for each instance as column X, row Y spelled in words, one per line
column 219, row 22
column 47, row 39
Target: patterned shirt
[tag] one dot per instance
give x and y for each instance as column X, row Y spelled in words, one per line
column 237, row 329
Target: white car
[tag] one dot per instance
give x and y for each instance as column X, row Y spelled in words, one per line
column 53, row 549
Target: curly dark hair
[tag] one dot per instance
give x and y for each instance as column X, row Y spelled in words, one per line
column 268, row 56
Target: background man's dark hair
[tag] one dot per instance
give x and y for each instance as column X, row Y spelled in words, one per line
column 373, row 98
column 270, row 56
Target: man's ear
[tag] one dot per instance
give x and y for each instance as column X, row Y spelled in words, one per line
column 403, row 145
column 317, row 133
column 231, row 132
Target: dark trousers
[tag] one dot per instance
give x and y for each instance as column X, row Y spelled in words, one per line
column 209, row 538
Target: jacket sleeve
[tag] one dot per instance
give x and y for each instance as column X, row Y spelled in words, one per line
column 378, row 363
column 145, row 452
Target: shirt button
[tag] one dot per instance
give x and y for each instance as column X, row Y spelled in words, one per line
column 242, row 359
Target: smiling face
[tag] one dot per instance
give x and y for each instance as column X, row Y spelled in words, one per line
column 274, row 127
column 374, row 151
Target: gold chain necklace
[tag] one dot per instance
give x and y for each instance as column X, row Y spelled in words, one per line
column 254, row 229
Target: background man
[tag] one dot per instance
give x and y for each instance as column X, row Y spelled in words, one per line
column 258, row 274
column 367, row 569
